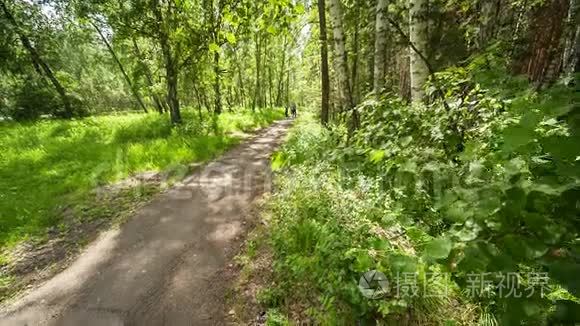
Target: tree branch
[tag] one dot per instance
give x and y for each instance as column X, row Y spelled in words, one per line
column 439, row 91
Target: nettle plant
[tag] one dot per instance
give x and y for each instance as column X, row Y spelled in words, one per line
column 495, row 183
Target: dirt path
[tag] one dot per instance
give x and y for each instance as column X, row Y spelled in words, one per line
column 165, row 266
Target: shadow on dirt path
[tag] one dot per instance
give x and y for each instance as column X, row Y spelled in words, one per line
column 165, row 266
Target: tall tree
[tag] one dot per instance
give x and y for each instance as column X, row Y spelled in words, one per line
column 418, row 37
column 572, row 43
column 487, row 21
column 380, row 46
column 171, row 66
column 325, row 81
column 214, row 18
column 340, row 55
column 258, row 96
column 39, row 64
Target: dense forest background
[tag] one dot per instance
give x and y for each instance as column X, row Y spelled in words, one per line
column 433, row 137
column 76, row 58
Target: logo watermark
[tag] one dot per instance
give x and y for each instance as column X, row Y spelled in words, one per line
column 373, row 285
column 376, row 285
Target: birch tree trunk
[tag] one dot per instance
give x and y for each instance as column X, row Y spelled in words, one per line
column 572, row 44
column 325, row 81
column 380, row 47
column 418, row 37
column 354, row 84
column 487, row 22
column 340, row 54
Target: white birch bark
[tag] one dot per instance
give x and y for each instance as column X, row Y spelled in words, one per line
column 572, row 45
column 340, row 54
column 380, row 46
column 418, row 37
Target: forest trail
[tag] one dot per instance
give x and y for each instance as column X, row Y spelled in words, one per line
column 168, row 265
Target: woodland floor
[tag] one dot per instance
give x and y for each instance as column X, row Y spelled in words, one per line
column 170, row 264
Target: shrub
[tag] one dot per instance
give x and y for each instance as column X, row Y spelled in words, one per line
column 482, row 182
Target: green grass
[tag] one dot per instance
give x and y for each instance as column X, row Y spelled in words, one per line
column 48, row 165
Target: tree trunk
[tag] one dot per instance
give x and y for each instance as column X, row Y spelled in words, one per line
column 380, row 47
column 323, row 64
column 270, row 85
column 288, row 83
column 257, row 90
column 121, row 68
column 200, row 101
column 487, row 22
column 217, row 86
column 354, row 87
column 170, row 66
column 149, row 77
column 241, row 88
column 341, row 56
column 281, row 75
column 572, row 44
column 404, row 75
column 172, row 81
column 39, row 65
column 418, row 37
column 543, row 61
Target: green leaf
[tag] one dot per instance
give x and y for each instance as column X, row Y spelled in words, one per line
column 278, row 161
column 271, row 29
column 467, row 232
column 377, row 155
column 516, row 136
column 458, row 211
column 363, row 261
column 402, row 264
column 473, row 258
column 516, row 166
column 299, row 9
column 231, row 38
column 438, row 248
column 213, row 47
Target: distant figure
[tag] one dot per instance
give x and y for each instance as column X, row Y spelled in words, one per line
column 293, row 110
column 286, row 111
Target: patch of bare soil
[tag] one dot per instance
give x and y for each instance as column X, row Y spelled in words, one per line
column 37, row 260
column 34, row 261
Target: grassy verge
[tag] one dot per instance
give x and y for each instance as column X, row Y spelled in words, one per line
column 320, row 233
column 63, row 181
column 48, row 167
column 437, row 198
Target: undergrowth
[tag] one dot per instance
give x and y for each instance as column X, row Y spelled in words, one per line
column 474, row 201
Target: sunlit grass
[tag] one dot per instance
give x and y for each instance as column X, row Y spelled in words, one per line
column 48, row 165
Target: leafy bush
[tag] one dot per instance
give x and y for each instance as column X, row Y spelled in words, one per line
column 481, row 181
column 32, row 101
column 329, row 226
column 33, row 98
column 498, row 178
